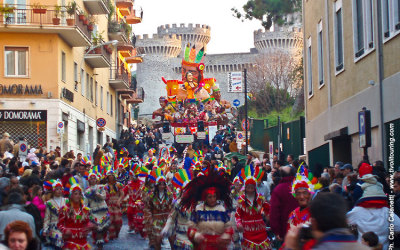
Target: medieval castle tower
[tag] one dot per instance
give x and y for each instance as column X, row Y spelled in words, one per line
column 163, row 56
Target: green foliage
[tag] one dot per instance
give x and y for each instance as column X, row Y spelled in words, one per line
column 268, row 11
column 71, row 8
column 272, row 117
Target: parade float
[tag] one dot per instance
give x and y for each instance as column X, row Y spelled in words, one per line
column 193, row 105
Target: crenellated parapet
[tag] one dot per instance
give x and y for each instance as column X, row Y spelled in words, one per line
column 290, row 40
column 195, row 34
column 166, row 45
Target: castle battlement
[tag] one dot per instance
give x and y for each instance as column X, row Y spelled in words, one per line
column 197, row 34
column 167, row 45
column 289, row 39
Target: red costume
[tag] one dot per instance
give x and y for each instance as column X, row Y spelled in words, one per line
column 135, row 205
column 113, row 195
column 250, row 216
column 297, row 217
column 76, row 221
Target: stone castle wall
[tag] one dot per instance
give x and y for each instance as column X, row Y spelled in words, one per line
column 163, row 55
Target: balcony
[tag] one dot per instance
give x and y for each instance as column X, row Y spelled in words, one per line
column 126, row 93
column 138, row 97
column 119, row 78
column 124, row 3
column 98, row 58
column 118, row 31
column 97, row 7
column 132, row 18
column 23, row 20
column 126, row 50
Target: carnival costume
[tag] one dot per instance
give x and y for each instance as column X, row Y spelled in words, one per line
column 95, row 199
column 157, row 206
column 123, row 175
column 211, row 222
column 75, row 221
column 114, row 195
column 249, row 213
column 178, row 220
column 53, row 206
column 300, row 216
column 135, row 203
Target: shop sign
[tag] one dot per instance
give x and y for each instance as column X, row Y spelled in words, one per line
column 19, row 89
column 69, row 95
column 23, row 115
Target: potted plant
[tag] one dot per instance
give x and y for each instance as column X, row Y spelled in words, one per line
column 97, row 38
column 38, row 8
column 7, row 11
column 71, row 10
column 82, row 16
column 57, row 11
column 92, row 21
column 86, row 18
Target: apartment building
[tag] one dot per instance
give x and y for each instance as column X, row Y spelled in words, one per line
column 66, row 62
column 351, row 61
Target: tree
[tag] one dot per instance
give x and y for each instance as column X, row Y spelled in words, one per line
column 268, row 11
column 274, row 80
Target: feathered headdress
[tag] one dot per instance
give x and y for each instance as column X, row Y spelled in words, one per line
column 135, row 169
column 105, row 160
column 71, row 185
column 99, row 170
column 190, row 59
column 93, row 172
column 123, row 150
column 50, row 185
column 302, row 180
column 237, row 180
column 181, row 178
column 123, row 163
column 86, row 160
column 162, row 163
column 251, row 175
column 199, row 187
column 144, row 172
column 156, row 176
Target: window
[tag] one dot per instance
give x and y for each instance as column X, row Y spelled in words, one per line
column 16, row 61
column 101, row 97
column 80, row 139
column 309, row 67
column 363, row 26
column 91, row 89
column 111, row 105
column 82, row 82
column 87, row 86
column 108, row 102
column 75, row 72
column 63, row 69
column 338, row 33
column 390, row 17
column 320, row 55
column 95, row 93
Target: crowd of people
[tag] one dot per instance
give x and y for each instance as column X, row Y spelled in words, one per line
column 192, row 196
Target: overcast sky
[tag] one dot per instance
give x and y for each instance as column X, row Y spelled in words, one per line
column 228, row 34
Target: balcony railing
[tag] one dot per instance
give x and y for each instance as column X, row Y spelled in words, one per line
column 98, row 57
column 119, row 78
column 117, row 31
column 26, row 19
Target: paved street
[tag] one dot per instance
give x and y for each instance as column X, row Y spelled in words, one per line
column 130, row 241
